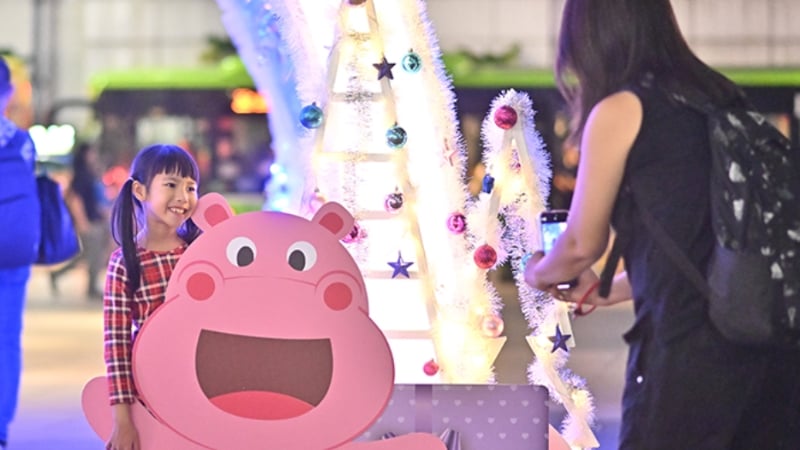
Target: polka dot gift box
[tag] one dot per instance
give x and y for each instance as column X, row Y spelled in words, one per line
column 468, row 417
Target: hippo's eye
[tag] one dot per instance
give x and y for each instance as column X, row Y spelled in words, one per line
column 301, row 256
column 241, row 252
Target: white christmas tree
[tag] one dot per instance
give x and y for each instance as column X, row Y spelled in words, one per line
column 505, row 215
column 383, row 140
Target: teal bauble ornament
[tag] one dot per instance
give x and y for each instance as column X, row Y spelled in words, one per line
column 311, row 116
column 411, row 62
column 396, row 137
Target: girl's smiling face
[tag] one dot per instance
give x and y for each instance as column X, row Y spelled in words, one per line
column 169, row 200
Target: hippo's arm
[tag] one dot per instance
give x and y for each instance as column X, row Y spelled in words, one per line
column 153, row 434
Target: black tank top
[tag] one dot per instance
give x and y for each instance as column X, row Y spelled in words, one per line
column 670, row 159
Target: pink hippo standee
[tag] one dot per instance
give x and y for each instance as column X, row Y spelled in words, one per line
column 264, row 342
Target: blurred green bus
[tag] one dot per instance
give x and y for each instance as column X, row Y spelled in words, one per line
column 215, row 113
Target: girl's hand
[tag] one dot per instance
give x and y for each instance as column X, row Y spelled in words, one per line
column 124, row 435
column 123, row 438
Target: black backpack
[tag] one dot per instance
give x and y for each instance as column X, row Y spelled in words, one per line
column 753, row 279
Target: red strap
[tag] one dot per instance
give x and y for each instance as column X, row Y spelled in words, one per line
column 579, row 306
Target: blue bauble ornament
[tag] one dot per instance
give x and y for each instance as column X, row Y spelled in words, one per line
column 412, row 62
column 396, row 137
column 488, row 184
column 311, row 116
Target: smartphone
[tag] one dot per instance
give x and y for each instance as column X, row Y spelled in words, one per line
column 552, row 224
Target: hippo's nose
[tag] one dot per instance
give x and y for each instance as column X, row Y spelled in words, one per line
column 338, row 290
column 200, row 280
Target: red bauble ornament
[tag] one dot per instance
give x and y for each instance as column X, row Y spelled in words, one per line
column 430, row 368
column 485, row 256
column 457, row 223
column 505, row 117
column 492, row 326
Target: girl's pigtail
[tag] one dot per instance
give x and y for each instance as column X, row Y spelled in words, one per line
column 123, row 229
column 189, row 231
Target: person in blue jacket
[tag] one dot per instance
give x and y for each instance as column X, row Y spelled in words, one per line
column 19, row 246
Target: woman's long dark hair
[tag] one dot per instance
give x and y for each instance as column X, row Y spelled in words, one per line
column 126, row 213
column 606, row 45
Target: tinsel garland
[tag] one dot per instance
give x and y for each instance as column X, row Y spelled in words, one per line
column 516, row 161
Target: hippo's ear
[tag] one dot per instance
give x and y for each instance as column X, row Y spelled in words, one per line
column 333, row 217
column 212, row 209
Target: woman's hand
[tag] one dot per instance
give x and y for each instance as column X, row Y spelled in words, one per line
column 586, row 281
column 530, row 278
column 534, row 282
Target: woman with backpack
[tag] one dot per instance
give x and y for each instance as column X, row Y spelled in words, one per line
column 686, row 385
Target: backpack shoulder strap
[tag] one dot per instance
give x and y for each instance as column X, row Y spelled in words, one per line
column 664, row 241
column 607, row 275
column 673, row 252
column 692, row 100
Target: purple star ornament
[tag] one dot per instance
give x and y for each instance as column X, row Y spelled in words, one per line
column 400, row 266
column 559, row 340
column 384, row 69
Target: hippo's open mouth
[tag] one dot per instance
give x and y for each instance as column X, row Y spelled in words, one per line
column 263, row 378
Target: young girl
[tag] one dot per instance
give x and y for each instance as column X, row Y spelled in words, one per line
column 150, row 222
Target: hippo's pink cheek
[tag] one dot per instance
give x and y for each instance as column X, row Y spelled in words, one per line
column 200, row 286
column 338, row 296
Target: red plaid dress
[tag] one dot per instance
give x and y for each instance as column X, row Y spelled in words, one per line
column 123, row 316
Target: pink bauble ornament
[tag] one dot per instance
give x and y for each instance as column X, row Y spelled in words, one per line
column 485, row 256
column 430, row 368
column 492, row 326
column 457, row 223
column 357, row 234
column 505, row 117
